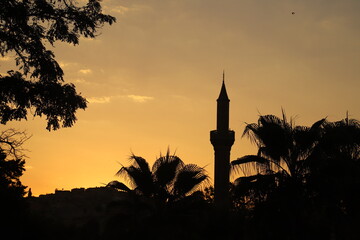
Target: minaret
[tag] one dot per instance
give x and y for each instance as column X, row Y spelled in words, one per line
column 222, row 139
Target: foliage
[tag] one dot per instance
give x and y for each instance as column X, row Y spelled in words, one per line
column 27, row 28
column 283, row 152
column 12, row 203
column 10, row 172
column 209, row 194
column 11, row 161
column 282, row 146
column 303, row 179
column 168, row 180
column 334, row 168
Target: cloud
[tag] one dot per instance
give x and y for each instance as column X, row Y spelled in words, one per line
column 108, row 99
column 65, row 64
column 120, row 9
column 80, row 80
column 140, row 8
column 99, row 99
column 85, row 71
column 140, row 99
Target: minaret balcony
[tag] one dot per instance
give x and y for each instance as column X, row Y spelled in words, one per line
column 222, row 138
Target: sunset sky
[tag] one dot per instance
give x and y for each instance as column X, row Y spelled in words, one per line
column 152, row 80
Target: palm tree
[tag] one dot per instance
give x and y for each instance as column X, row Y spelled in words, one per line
column 340, row 139
column 304, row 177
column 282, row 146
column 283, row 152
column 168, row 180
column 335, row 165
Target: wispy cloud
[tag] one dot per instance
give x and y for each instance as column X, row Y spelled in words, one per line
column 140, row 99
column 99, row 99
column 65, row 64
column 122, row 10
column 119, row 9
column 140, row 7
column 108, row 99
column 85, row 71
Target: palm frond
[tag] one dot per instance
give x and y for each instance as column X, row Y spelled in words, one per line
column 269, row 119
column 303, row 139
column 248, row 158
column 138, row 175
column 354, row 122
column 317, row 125
column 165, row 168
column 251, row 131
column 257, row 182
column 140, row 163
column 340, row 137
column 276, row 139
column 189, row 177
column 251, row 127
column 284, row 120
column 123, row 172
column 119, row 186
column 249, row 165
column 246, row 179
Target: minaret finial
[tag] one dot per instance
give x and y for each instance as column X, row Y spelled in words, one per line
column 223, row 94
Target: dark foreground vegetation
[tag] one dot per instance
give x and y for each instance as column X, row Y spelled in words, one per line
column 306, row 181
column 302, row 184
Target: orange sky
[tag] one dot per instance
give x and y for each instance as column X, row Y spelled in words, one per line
column 152, row 80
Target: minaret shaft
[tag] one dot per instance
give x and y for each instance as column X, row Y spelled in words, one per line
column 222, row 118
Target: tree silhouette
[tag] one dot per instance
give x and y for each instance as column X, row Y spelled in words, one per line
column 333, row 180
column 12, row 162
column 304, row 181
column 26, row 29
column 282, row 146
column 283, row 152
column 169, row 179
column 12, row 204
column 10, row 172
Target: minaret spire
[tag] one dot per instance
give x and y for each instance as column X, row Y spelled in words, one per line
column 222, row 139
column 222, row 119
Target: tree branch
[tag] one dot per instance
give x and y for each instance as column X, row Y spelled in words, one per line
column 11, row 142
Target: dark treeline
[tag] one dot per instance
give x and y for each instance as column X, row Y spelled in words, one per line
column 303, row 183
